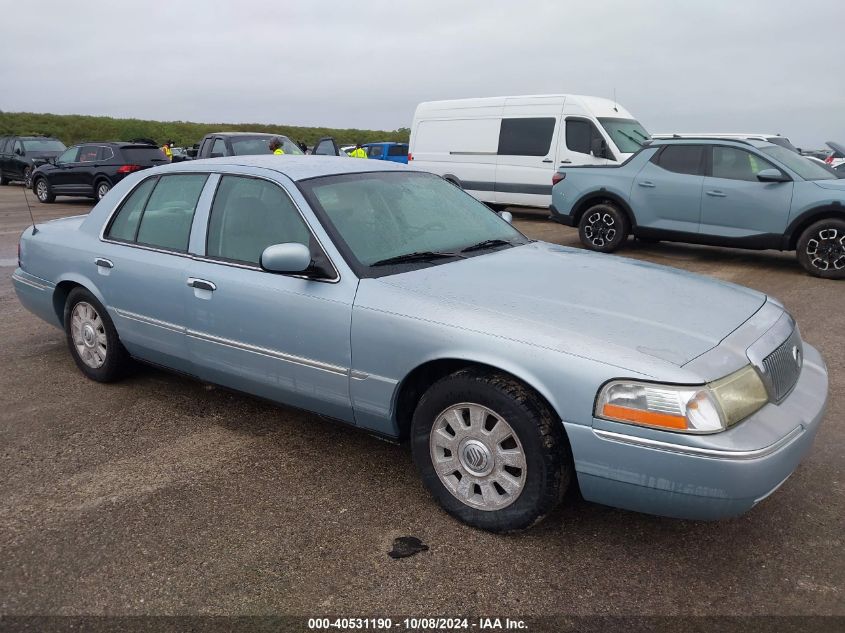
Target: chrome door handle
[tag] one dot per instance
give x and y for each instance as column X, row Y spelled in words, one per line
column 548, row 160
column 717, row 194
column 565, row 161
column 646, row 183
column 201, row 284
column 105, row 263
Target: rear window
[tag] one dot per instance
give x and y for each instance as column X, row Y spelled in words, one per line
column 397, row 150
column 143, row 155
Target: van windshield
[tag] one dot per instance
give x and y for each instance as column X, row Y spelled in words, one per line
column 628, row 134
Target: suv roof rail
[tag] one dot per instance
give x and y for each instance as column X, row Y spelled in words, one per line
column 678, row 137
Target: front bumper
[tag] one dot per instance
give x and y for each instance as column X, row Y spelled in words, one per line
column 703, row 477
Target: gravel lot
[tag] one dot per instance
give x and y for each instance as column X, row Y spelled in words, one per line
column 161, row 495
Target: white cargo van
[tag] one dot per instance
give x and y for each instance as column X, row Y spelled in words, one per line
column 505, row 150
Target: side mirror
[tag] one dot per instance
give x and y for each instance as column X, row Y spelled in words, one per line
column 507, row 216
column 598, row 148
column 291, row 257
column 772, row 175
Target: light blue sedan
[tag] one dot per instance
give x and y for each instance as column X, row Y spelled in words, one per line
column 391, row 300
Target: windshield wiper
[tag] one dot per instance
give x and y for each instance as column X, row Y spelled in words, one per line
column 486, row 244
column 419, row 256
column 630, row 138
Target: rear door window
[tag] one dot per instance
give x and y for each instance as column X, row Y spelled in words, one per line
column 218, row 149
column 124, row 227
column 682, row 159
column 88, row 153
column 526, row 137
column 167, row 216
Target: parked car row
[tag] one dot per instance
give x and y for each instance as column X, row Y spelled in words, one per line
column 20, row 155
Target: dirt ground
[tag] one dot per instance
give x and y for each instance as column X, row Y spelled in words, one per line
column 160, row 495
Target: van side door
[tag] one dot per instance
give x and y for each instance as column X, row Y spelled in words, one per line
column 525, row 160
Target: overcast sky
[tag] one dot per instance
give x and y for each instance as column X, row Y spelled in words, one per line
column 773, row 66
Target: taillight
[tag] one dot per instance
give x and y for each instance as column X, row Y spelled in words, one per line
column 557, row 177
column 128, row 169
column 410, row 157
column 829, row 160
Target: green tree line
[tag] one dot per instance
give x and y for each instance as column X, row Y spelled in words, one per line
column 75, row 128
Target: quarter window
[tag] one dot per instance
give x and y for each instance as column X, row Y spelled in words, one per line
column 247, row 216
column 167, row 216
column 737, row 164
column 682, row 159
column 124, row 227
column 526, row 137
column 106, row 153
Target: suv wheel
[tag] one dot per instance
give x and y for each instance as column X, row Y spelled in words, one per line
column 27, row 176
column 103, row 187
column 490, row 451
column 43, row 191
column 92, row 338
column 821, row 249
column 3, row 180
column 603, row 228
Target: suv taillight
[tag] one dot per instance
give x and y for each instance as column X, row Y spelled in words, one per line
column 410, row 157
column 557, row 177
column 128, row 169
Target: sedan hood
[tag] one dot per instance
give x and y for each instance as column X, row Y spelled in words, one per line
column 599, row 306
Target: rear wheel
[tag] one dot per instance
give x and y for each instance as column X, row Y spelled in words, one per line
column 43, row 191
column 92, row 338
column 603, row 228
column 821, row 249
column 490, row 451
column 102, row 188
column 3, row 180
column 27, row 176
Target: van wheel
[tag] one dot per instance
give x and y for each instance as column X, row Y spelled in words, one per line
column 92, row 338
column 821, row 249
column 603, row 228
column 43, row 191
column 490, row 451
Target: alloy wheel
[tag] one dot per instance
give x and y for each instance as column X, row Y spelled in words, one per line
column 89, row 335
column 41, row 190
column 826, row 249
column 102, row 189
column 478, row 456
column 600, row 229
column 27, row 177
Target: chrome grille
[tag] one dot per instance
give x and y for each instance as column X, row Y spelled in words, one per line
column 783, row 366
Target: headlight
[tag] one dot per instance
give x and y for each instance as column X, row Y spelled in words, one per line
column 689, row 409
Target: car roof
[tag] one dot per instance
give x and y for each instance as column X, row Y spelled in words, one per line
column 294, row 167
column 709, row 140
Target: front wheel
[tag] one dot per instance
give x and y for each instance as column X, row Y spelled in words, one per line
column 43, row 191
column 821, row 249
column 490, row 451
column 92, row 338
column 603, row 228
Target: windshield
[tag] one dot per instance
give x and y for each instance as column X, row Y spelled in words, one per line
column 43, row 145
column 628, row 134
column 383, row 215
column 807, row 169
column 251, row 145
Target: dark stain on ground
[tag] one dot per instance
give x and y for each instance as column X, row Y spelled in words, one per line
column 406, row 546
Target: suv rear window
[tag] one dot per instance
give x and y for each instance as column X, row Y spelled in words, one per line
column 143, row 155
column 682, row 159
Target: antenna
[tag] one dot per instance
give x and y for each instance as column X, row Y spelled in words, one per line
column 31, row 217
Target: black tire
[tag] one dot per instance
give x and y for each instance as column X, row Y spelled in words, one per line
column 3, row 180
column 543, row 444
column 116, row 360
column 101, row 188
column 27, row 176
column 821, row 249
column 43, row 191
column 603, row 227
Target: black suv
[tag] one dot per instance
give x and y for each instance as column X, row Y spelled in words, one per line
column 92, row 169
column 20, row 155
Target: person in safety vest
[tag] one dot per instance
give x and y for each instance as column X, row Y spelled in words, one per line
column 358, row 152
column 276, row 146
column 166, row 149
